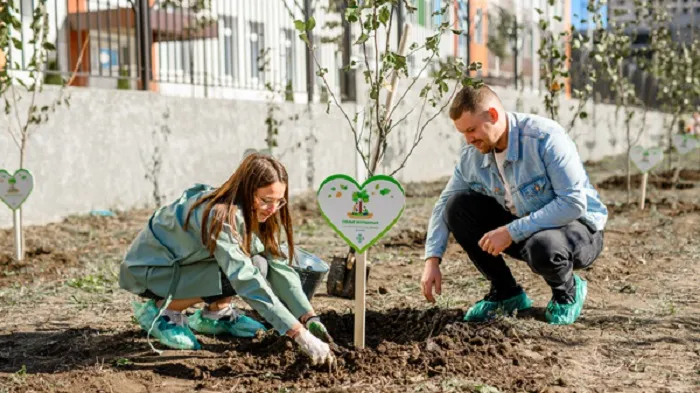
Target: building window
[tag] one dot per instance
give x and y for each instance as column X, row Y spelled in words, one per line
column 436, row 10
column 288, row 57
column 257, row 46
column 230, row 34
column 479, row 26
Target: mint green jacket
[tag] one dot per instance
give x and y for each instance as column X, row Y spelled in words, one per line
column 173, row 262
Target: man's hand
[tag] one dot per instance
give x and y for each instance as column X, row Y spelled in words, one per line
column 431, row 277
column 496, row 241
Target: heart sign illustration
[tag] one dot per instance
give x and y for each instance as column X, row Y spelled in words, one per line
column 646, row 159
column 361, row 214
column 685, row 143
column 14, row 189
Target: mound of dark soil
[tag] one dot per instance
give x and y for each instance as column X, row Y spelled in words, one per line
column 402, row 346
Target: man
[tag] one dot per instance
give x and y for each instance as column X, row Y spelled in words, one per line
column 519, row 188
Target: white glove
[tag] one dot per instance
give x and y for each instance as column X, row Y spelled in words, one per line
column 317, row 350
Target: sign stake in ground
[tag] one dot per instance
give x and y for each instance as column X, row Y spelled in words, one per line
column 645, row 160
column 14, row 190
column 361, row 214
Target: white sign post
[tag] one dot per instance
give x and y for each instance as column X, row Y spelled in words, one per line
column 645, row 160
column 685, row 143
column 361, row 215
column 14, row 190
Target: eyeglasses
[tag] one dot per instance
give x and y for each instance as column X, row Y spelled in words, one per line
column 265, row 204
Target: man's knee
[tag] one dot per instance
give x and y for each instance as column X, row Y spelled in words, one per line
column 261, row 263
column 457, row 209
column 546, row 251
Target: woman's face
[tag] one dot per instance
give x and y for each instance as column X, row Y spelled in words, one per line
column 268, row 200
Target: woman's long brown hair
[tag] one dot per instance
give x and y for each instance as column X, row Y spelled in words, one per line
column 256, row 171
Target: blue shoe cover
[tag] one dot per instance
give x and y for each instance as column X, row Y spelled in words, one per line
column 566, row 314
column 484, row 310
column 240, row 326
column 171, row 335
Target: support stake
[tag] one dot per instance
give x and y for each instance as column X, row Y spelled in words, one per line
column 644, row 190
column 17, row 221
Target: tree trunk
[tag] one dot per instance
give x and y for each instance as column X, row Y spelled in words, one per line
column 670, row 141
column 629, row 175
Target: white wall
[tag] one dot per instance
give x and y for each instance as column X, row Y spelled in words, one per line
column 95, row 155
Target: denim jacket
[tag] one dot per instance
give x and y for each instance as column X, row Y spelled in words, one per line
column 548, row 183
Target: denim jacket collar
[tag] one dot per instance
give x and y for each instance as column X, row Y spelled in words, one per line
column 513, row 142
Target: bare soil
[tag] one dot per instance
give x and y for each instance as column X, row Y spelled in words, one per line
column 65, row 326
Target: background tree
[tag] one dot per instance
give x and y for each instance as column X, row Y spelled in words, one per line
column 382, row 71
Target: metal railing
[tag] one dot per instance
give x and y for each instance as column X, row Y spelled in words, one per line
column 170, row 44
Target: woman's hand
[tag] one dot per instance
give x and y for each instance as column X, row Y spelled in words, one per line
column 317, row 350
column 318, row 329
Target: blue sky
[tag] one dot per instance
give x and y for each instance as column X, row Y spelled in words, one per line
column 578, row 7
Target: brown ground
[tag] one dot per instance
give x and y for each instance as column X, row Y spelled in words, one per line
column 65, row 326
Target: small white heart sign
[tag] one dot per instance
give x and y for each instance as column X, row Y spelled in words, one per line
column 685, row 143
column 14, row 189
column 361, row 214
column 646, row 159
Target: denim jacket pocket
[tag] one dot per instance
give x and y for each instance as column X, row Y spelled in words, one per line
column 537, row 192
column 478, row 188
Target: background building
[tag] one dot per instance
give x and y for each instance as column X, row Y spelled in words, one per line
column 244, row 48
column 685, row 15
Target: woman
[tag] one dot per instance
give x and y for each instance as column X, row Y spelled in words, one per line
column 211, row 244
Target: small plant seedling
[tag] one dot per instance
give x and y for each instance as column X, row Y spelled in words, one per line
column 22, row 372
column 123, row 362
column 91, row 283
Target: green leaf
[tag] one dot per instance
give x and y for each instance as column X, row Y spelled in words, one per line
column 363, row 38
column 17, row 43
column 304, row 38
column 352, row 15
column 384, row 15
column 299, row 25
column 49, row 46
column 583, row 115
column 311, row 23
column 456, row 31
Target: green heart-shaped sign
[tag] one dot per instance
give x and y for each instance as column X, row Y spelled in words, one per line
column 361, row 214
column 15, row 189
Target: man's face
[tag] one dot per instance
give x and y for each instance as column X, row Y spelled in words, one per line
column 479, row 128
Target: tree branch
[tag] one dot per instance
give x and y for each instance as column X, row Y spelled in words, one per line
column 419, row 134
column 335, row 100
column 364, row 47
column 12, row 134
column 401, row 120
column 410, row 86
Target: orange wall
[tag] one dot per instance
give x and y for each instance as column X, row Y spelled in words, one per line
column 567, row 24
column 76, row 46
column 479, row 52
column 2, row 56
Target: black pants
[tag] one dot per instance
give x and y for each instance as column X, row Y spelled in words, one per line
column 552, row 253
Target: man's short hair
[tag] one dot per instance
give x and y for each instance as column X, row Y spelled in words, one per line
column 468, row 100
